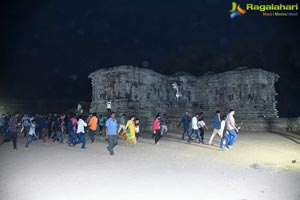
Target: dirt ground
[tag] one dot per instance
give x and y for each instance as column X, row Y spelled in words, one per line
column 258, row 167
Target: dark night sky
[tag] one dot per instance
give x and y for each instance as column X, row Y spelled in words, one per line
column 48, row 48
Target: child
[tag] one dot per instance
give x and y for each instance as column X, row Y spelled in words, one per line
column 137, row 128
column 31, row 134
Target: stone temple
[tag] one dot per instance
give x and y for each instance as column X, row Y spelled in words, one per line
column 144, row 93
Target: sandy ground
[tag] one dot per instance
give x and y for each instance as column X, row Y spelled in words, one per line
column 258, row 167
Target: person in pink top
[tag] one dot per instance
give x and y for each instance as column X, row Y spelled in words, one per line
column 156, row 129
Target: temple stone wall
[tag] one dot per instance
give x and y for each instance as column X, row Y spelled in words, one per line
column 143, row 92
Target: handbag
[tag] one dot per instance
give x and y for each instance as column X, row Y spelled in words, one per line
column 123, row 135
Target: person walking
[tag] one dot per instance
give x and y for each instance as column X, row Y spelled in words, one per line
column 158, row 114
column 130, row 132
column 185, row 123
column 2, row 122
column 216, row 130
column 137, row 128
column 59, row 128
column 71, row 127
column 122, row 123
column 231, row 128
column 217, row 126
column 93, row 127
column 156, row 129
column 31, row 134
column 108, row 106
column 12, row 130
column 50, row 125
column 195, row 129
column 25, row 124
column 80, row 133
column 101, row 123
column 111, row 133
column 163, row 124
column 202, row 126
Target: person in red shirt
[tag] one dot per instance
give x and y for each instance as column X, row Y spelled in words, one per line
column 156, row 129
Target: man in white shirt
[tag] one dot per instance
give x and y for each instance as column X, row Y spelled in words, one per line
column 31, row 134
column 80, row 132
column 195, row 129
column 231, row 128
column 108, row 106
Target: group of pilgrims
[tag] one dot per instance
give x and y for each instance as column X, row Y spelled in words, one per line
column 55, row 126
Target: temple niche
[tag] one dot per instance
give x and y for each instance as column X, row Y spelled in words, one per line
column 143, row 92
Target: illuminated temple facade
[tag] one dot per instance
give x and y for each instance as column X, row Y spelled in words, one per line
column 144, row 93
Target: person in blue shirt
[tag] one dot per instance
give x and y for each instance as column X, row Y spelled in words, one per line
column 2, row 122
column 111, row 133
column 186, row 123
column 217, row 126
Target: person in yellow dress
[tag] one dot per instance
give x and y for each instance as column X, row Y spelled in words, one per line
column 130, row 132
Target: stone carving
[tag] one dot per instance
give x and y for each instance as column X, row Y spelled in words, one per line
column 177, row 91
column 143, row 92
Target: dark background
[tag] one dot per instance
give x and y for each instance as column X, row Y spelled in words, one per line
column 48, row 48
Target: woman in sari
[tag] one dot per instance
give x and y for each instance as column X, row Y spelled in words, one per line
column 130, row 132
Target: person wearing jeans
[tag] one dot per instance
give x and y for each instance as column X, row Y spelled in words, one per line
column 201, row 126
column 111, row 133
column 225, row 138
column 163, row 124
column 71, row 128
column 59, row 124
column 12, row 130
column 80, row 133
column 25, row 124
column 195, row 129
column 31, row 134
column 231, row 128
column 93, row 127
column 185, row 122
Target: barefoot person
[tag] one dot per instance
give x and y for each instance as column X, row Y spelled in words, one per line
column 12, row 130
column 111, row 133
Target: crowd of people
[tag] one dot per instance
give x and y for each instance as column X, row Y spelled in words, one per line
column 55, row 126
column 224, row 126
